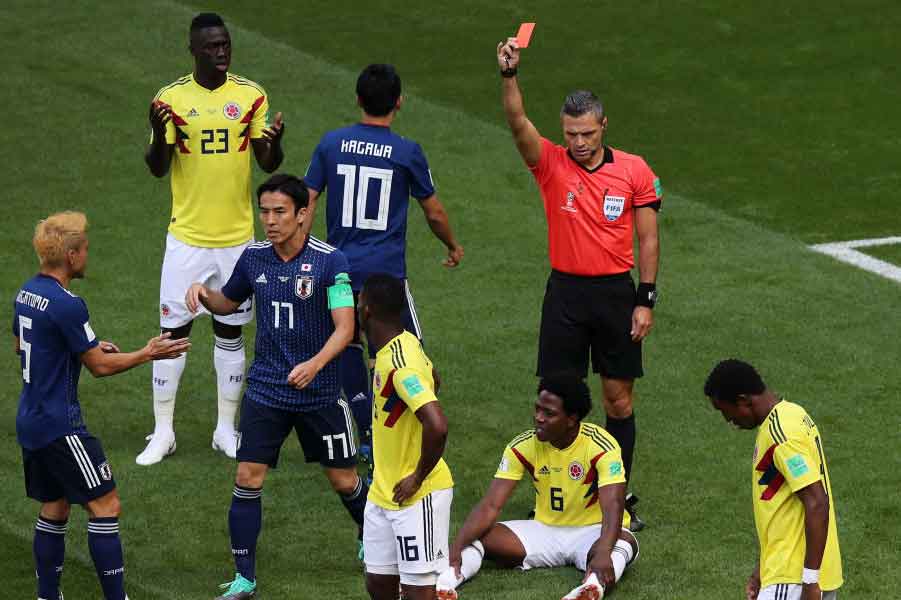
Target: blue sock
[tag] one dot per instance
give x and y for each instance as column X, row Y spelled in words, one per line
column 354, row 378
column 245, row 520
column 355, row 503
column 49, row 552
column 106, row 551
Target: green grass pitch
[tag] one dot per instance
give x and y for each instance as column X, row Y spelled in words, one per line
column 771, row 125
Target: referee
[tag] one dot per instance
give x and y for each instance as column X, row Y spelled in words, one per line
column 593, row 197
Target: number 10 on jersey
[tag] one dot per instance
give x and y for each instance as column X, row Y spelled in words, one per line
column 356, row 182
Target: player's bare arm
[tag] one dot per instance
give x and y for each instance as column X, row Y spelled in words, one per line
column 307, row 224
column 436, row 217
column 214, row 301
column 752, row 588
column 526, row 136
column 482, row 518
column 101, row 362
column 648, row 260
column 303, row 374
column 268, row 149
column 434, row 439
column 159, row 154
column 612, row 500
column 816, row 529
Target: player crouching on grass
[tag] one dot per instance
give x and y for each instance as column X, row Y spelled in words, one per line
column 64, row 464
column 576, row 469
column 408, row 511
column 305, row 317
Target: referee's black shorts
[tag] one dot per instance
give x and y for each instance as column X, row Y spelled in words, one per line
column 582, row 314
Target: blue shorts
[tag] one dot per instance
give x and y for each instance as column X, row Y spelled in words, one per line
column 325, row 435
column 71, row 467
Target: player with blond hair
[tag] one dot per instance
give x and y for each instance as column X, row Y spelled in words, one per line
column 64, row 464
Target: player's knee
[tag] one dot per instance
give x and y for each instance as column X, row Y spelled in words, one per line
column 107, row 506
column 250, row 475
column 178, row 333
column 343, row 481
column 226, row 331
column 629, row 537
column 57, row 510
column 618, row 403
column 381, row 586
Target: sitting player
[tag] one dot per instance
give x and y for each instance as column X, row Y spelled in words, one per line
column 577, row 471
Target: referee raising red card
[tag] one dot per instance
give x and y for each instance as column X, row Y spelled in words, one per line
column 594, row 197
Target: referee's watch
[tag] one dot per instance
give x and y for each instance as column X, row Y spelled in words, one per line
column 646, row 295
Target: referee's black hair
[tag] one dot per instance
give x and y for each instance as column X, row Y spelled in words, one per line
column 289, row 185
column 385, row 297
column 732, row 378
column 378, row 88
column 204, row 20
column 572, row 390
column 582, row 102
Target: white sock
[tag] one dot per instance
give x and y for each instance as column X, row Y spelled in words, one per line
column 229, row 360
column 471, row 562
column 166, row 375
column 620, row 556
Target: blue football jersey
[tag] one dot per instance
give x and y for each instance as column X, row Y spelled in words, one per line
column 293, row 320
column 53, row 330
column 369, row 173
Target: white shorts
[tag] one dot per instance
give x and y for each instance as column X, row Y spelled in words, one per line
column 555, row 546
column 789, row 591
column 411, row 542
column 183, row 265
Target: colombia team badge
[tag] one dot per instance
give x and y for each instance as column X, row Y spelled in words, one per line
column 232, row 111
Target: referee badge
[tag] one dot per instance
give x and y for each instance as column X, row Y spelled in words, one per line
column 303, row 286
column 613, row 207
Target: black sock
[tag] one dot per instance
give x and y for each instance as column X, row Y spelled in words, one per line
column 355, row 503
column 624, row 432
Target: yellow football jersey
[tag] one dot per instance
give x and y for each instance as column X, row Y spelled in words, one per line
column 212, row 205
column 402, row 384
column 566, row 481
column 788, row 456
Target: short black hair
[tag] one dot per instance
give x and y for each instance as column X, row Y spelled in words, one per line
column 385, row 297
column 204, row 20
column 572, row 390
column 378, row 88
column 731, row 378
column 581, row 102
column 289, row 185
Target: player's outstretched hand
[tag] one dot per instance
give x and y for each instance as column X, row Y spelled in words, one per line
column 602, row 566
column 194, row 296
column 508, row 54
column 273, row 134
column 161, row 347
column 642, row 321
column 454, row 256
column 303, row 374
column 406, row 488
column 160, row 114
column 109, row 347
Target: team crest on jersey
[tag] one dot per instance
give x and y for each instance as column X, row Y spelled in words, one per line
column 613, row 207
column 106, row 473
column 570, row 205
column 232, row 111
column 303, row 286
column 164, row 310
column 576, row 470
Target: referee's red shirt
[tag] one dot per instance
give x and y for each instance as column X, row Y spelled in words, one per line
column 589, row 212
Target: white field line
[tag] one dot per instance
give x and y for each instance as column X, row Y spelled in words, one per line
column 847, row 253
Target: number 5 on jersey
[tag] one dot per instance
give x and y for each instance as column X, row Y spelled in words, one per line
column 358, row 184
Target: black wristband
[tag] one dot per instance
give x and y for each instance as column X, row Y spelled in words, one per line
column 507, row 73
column 646, row 295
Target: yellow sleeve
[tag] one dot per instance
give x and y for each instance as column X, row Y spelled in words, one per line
column 610, row 468
column 413, row 388
column 510, row 467
column 794, row 460
column 260, row 119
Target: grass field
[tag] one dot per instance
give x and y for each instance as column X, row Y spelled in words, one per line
column 771, row 125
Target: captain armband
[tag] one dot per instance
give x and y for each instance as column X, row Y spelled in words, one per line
column 340, row 295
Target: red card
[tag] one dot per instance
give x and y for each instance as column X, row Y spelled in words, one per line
column 524, row 34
